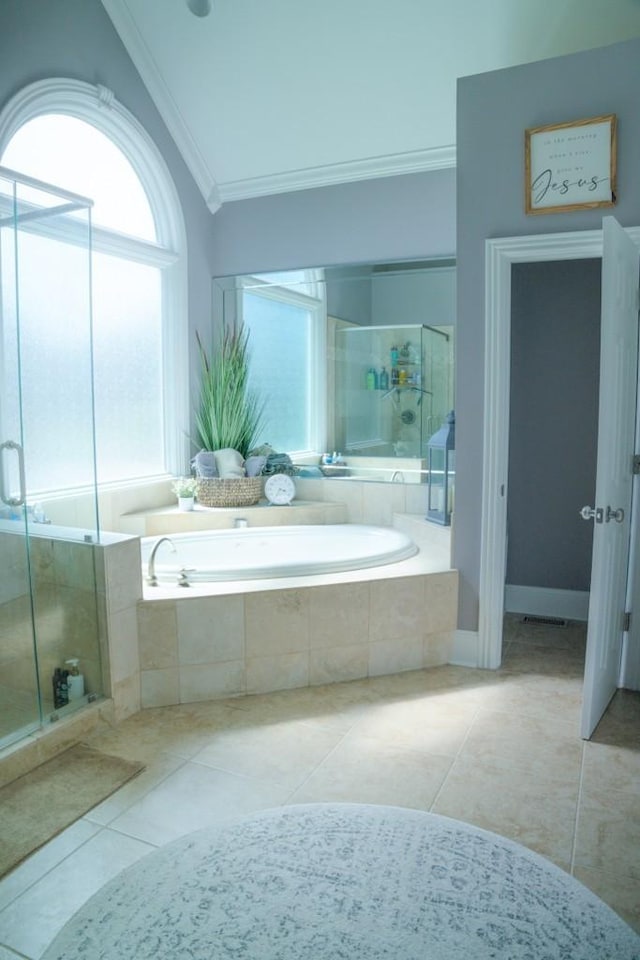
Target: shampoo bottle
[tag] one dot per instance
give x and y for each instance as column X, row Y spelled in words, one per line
column 371, row 379
column 384, row 379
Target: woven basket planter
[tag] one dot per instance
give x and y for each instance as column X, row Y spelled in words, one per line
column 236, row 492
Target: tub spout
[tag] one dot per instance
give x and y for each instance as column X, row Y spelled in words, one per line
column 151, row 566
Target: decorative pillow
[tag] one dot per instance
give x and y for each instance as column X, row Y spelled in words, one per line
column 230, row 463
column 254, row 466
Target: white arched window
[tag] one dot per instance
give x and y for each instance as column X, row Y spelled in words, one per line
column 77, row 137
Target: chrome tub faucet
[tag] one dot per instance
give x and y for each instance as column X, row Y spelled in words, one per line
column 151, row 566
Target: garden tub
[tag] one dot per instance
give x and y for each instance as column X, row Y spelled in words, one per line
column 264, row 552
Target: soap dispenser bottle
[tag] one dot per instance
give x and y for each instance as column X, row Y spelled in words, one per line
column 75, row 680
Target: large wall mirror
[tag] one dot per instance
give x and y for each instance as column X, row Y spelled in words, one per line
column 356, row 364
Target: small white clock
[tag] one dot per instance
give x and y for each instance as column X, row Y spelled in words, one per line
column 279, row 489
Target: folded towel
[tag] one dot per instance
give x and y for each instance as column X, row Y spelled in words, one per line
column 279, row 463
column 264, row 450
column 204, row 464
column 229, row 463
column 254, row 466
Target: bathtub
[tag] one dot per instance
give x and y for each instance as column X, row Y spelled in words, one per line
column 264, row 552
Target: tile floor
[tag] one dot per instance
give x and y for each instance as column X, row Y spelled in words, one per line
column 499, row 749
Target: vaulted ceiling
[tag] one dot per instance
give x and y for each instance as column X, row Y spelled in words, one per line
column 266, row 96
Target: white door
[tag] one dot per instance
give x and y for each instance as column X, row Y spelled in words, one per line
column 616, row 434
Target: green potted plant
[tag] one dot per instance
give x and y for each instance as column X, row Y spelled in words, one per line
column 185, row 490
column 228, row 415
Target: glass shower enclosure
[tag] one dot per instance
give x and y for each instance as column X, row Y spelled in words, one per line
column 394, row 388
column 49, row 634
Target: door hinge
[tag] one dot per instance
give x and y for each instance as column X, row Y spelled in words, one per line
column 635, row 464
column 626, row 622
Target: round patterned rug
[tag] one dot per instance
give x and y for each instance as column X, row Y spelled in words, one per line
column 344, row 882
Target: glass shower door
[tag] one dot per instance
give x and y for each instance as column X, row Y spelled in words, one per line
column 19, row 682
column 48, row 610
column 438, row 379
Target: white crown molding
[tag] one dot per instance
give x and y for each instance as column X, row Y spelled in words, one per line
column 216, row 193
column 415, row 161
column 145, row 64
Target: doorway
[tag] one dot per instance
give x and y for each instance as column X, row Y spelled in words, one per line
column 500, row 256
column 554, row 381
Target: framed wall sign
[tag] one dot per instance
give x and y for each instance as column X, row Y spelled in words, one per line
column 571, row 166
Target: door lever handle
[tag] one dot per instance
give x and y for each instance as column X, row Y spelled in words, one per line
column 591, row 513
column 617, row 515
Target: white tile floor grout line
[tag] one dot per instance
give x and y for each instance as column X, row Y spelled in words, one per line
column 453, row 759
column 322, row 762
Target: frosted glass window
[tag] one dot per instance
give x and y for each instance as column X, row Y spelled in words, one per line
column 127, row 340
column 72, row 154
column 54, row 360
column 100, row 342
column 280, row 344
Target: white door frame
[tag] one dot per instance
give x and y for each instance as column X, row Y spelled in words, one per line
column 500, row 254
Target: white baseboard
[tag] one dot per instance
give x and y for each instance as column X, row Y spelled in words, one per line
column 547, row 602
column 464, row 652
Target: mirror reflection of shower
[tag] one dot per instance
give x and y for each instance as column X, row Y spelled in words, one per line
column 393, row 388
column 297, row 320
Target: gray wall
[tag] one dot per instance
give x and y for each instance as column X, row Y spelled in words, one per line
column 75, row 38
column 406, row 298
column 494, row 109
column 555, row 371
column 348, row 299
column 392, row 218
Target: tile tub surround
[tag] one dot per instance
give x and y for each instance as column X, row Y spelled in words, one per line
column 136, row 672
column 316, row 501
column 273, row 635
column 169, row 519
column 129, row 508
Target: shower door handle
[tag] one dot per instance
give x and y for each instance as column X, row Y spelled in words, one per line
column 12, row 501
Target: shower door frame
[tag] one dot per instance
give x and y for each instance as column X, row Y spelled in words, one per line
column 20, row 523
